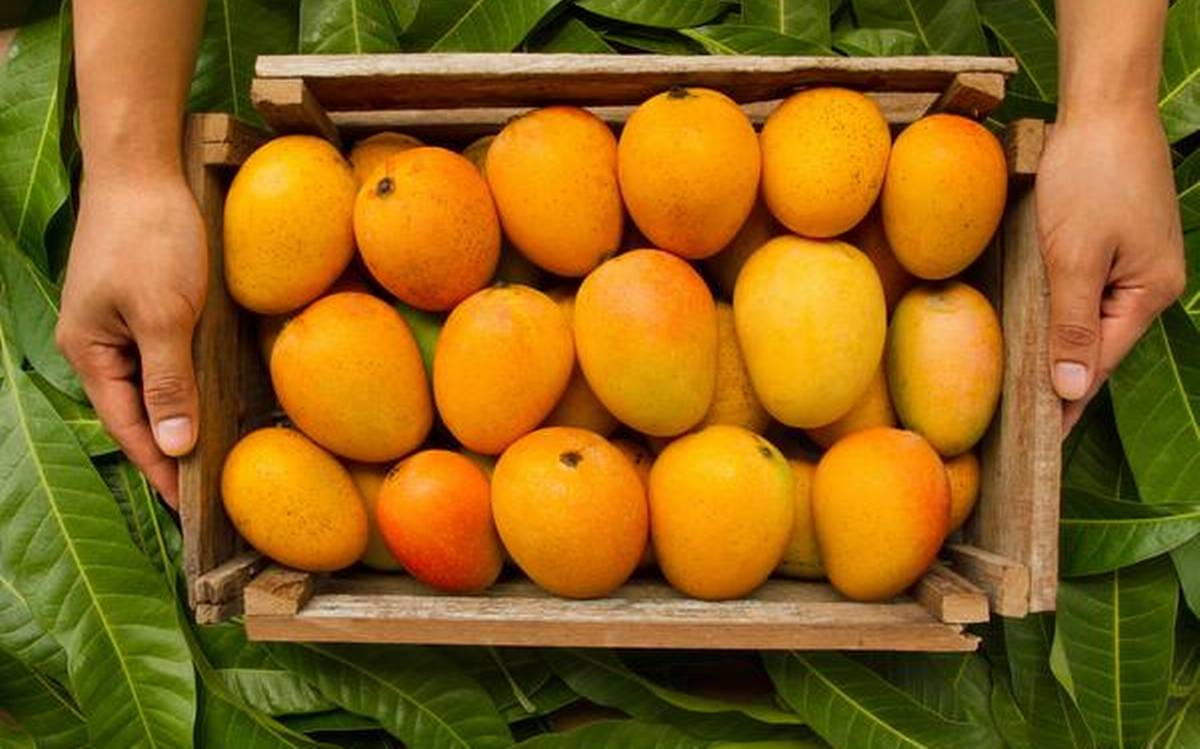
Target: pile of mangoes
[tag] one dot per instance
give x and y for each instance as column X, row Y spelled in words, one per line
column 587, row 354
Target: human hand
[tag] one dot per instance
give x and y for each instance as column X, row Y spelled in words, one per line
column 1110, row 235
column 134, row 289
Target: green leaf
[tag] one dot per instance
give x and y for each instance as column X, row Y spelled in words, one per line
column 599, row 676
column 1026, row 31
column 948, row 27
column 403, row 12
column 1179, row 90
column 66, row 549
column 1053, row 719
column 1156, row 396
column 617, row 734
column 957, row 686
column 416, row 694
column 663, row 14
column 804, row 19
column 733, row 39
column 235, row 33
column 149, row 525
column 1191, row 295
column 569, row 34
column 33, row 83
column 1010, row 721
column 556, row 694
column 82, row 420
column 331, row 721
column 23, row 638
column 346, row 26
column 1187, row 185
column 250, row 672
column 876, row 42
column 40, row 706
column 430, row 22
column 1093, row 459
column 1118, row 636
column 657, row 41
column 1097, row 534
column 509, row 675
column 494, row 25
column 13, row 736
column 1187, row 566
column 850, row 705
column 1181, row 727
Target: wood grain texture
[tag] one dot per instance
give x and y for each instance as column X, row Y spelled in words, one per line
column 1023, row 144
column 277, row 591
column 288, row 106
column 949, row 597
column 437, row 81
column 226, row 581
column 973, row 95
column 642, row 614
column 1005, row 581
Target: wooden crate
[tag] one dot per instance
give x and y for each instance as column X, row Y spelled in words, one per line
column 1004, row 561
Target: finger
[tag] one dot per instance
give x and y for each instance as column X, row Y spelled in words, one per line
column 169, row 387
column 1076, row 286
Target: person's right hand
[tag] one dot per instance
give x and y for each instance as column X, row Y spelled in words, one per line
column 135, row 285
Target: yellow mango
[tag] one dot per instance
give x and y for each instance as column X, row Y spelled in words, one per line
column 802, row 557
column 368, row 478
column 734, row 401
column 578, row 406
column 759, row 227
column 963, row 473
column 368, row 154
column 873, row 409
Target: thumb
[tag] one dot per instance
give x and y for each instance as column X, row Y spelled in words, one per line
column 1075, row 293
column 169, row 388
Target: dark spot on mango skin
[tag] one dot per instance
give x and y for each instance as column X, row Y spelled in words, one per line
column 678, row 92
column 385, row 187
column 765, row 451
column 570, row 458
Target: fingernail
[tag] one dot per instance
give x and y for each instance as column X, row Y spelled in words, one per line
column 1071, row 380
column 174, row 435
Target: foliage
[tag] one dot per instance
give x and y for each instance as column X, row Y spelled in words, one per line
column 95, row 644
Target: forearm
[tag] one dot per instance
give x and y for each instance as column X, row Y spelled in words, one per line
column 134, row 61
column 1110, row 54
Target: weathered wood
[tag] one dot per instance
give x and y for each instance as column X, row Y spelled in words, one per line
column 1005, row 581
column 950, row 597
column 215, row 613
column 223, row 140
column 278, row 591
column 973, row 95
column 436, row 81
column 642, row 614
column 1023, row 144
column 287, row 105
column 226, row 581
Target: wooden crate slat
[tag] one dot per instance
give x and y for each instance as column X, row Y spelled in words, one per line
column 974, row 95
column 1023, row 143
column 950, row 597
column 436, row 81
column 288, row 106
column 1005, row 581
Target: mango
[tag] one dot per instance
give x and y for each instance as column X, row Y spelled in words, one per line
column 435, row 514
column 802, row 557
column 642, row 459
column 293, row 501
column 721, row 511
column 873, row 409
column 824, row 151
column 348, row 373
column 734, row 401
column 962, row 472
column 476, row 151
column 288, row 224
column 425, row 327
column 688, row 162
column 553, row 173
column 811, row 321
column 368, row 154
column 944, row 194
column 724, row 267
column 368, row 479
column 578, row 406
column 503, row 360
column 870, row 237
column 881, row 507
column 571, row 511
column 945, row 364
column 427, row 229
column 646, row 337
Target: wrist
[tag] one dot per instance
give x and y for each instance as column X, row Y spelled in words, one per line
column 1129, row 108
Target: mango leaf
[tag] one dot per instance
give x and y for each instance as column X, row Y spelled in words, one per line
column 1118, row 637
column 1156, row 395
column 1097, row 534
column 250, row 672
column 957, row 686
column 12, row 736
column 804, row 19
column 1053, row 719
column 1026, row 31
column 949, row 27
column 734, row 39
column 876, row 42
column 64, row 546
column 1191, row 295
column 847, row 704
column 1187, row 185
column 1187, row 566
column 663, row 14
column 36, row 297
column 430, row 22
column 599, row 676
column 555, row 695
column 346, row 26
column 403, row 12
column 23, row 638
column 1010, row 721
column 330, row 721
column 149, row 525
column 569, row 34
column 1093, row 459
column 40, row 706
column 415, row 693
column 33, row 83
column 1179, row 89
column 494, row 25
column 235, row 33
column 657, row 41
column 509, row 675
column 82, row 420
column 1181, row 728
column 617, row 734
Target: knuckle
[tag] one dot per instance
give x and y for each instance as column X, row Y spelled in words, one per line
column 166, row 389
column 1074, row 335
